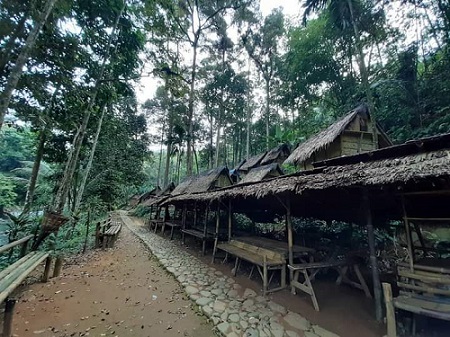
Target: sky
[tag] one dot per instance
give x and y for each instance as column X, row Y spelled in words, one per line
column 146, row 87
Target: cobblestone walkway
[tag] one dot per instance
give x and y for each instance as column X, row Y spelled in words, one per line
column 234, row 311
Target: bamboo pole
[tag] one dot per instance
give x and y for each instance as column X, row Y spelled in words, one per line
column 373, row 258
column 8, row 318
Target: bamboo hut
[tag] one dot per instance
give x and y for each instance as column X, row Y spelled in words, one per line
column 350, row 135
column 262, row 173
column 366, row 188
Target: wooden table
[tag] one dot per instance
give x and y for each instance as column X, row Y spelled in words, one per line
column 156, row 223
column 279, row 247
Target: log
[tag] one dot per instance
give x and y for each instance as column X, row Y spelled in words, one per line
column 48, row 263
column 390, row 311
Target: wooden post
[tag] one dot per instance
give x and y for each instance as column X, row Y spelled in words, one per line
column 58, row 266
column 230, row 220
column 408, row 236
column 97, row 235
column 88, row 222
column 205, row 230
column 373, row 257
column 195, row 214
column 8, row 318
column 23, row 250
column 390, row 311
column 290, row 237
column 48, row 263
column 216, row 234
column 183, row 223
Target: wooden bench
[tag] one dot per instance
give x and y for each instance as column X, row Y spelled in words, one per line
column 199, row 234
column 265, row 261
column 106, row 232
column 310, row 270
column 174, row 224
column 155, row 223
column 424, row 290
column 13, row 275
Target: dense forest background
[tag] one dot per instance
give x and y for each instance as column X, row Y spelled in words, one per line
column 231, row 83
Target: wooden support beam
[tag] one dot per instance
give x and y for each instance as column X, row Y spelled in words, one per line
column 183, row 223
column 408, row 236
column 216, row 234
column 230, row 220
column 8, row 318
column 205, row 231
column 290, row 237
column 373, row 258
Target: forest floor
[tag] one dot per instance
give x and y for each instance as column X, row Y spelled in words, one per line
column 116, row 292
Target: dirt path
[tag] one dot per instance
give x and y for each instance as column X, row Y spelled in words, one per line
column 118, row 292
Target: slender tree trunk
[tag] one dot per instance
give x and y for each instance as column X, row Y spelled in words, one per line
column 89, row 164
column 158, row 179
column 267, row 113
column 167, row 167
column 39, row 154
column 178, row 166
column 189, row 161
column 211, row 136
column 35, row 171
column 216, row 160
column 71, row 164
column 16, row 72
column 195, row 157
column 364, row 74
column 248, row 117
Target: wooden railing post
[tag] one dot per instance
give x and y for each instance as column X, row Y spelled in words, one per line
column 8, row 318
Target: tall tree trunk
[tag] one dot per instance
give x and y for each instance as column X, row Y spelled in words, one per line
column 89, row 163
column 189, row 161
column 72, row 161
column 267, row 112
column 364, row 74
column 248, row 117
column 16, row 72
column 167, row 167
column 216, row 160
column 158, row 179
column 211, row 136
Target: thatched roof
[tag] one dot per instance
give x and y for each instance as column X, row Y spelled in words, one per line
column 280, row 152
column 323, row 139
column 414, row 166
column 203, row 182
column 161, row 195
column 149, row 194
column 252, row 162
column 262, row 172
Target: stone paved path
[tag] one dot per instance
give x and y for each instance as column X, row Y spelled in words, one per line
column 234, row 311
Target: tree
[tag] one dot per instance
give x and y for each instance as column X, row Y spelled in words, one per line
column 262, row 45
column 16, row 71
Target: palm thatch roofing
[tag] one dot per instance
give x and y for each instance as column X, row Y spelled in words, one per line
column 160, row 195
column 203, row 182
column 403, row 166
column 280, row 153
column 262, row 172
column 149, row 194
column 323, row 139
column 252, row 162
